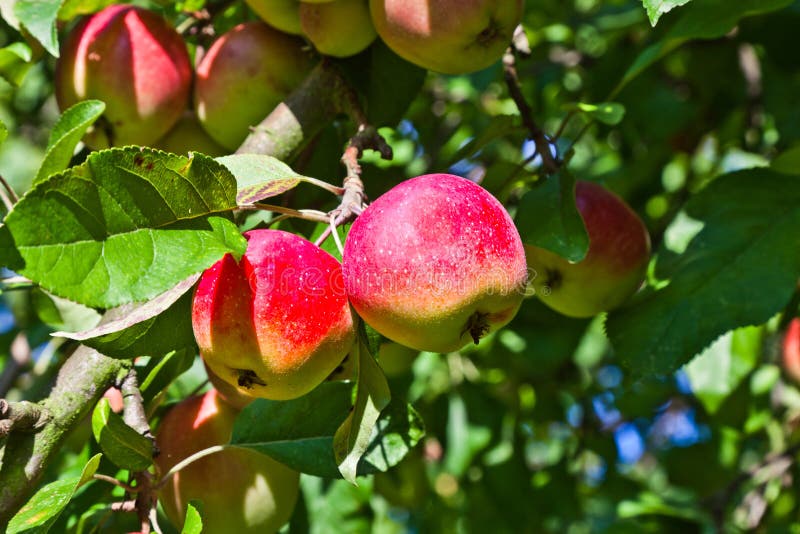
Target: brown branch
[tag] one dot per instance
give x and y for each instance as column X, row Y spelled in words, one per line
column 80, row 383
column 133, row 412
column 549, row 163
column 21, row 416
column 323, row 95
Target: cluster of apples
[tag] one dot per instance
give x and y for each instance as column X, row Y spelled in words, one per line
column 135, row 62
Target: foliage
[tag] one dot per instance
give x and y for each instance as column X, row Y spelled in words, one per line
column 670, row 414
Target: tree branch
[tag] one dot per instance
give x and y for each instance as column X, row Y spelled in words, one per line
column 549, row 163
column 80, row 383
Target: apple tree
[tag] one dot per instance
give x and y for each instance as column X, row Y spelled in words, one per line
column 399, row 266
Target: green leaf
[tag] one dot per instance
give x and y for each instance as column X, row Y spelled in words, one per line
column 62, row 313
column 299, row 432
column 193, row 524
column 39, row 18
column 709, row 19
column 71, row 9
column 3, row 132
column 259, row 177
column 352, row 438
column 46, row 505
column 548, row 218
column 125, row 226
column 160, row 372
column 167, row 331
column 740, row 270
column 656, row 8
column 15, row 61
column 499, row 127
column 121, row 444
column 66, row 134
column 387, row 69
column 128, row 315
column 610, row 113
column 787, row 162
column 718, row 370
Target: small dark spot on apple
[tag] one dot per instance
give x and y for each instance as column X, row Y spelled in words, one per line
column 248, row 378
column 489, row 34
column 553, row 279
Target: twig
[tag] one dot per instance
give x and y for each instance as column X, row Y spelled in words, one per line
column 308, row 215
column 133, row 412
column 549, row 163
column 116, row 482
column 12, row 195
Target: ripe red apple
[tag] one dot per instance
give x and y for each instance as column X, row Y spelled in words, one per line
column 242, row 491
column 791, row 349
column 189, row 136
column 448, row 36
column 435, row 263
column 340, row 28
column 246, row 73
column 278, row 322
column 614, row 266
column 283, row 15
column 136, row 63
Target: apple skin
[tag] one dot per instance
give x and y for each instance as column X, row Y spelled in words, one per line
column 447, row 36
column 341, row 28
column 791, row 349
column 283, row 15
column 257, row 64
column 242, row 491
column 276, row 324
column 434, row 263
column 136, row 63
column 614, row 266
column 189, row 136
column 228, row 393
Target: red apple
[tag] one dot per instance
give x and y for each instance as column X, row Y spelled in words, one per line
column 448, row 36
column 791, row 349
column 614, row 266
column 241, row 490
column 278, row 322
column 136, row 63
column 283, row 15
column 341, row 28
column 435, row 263
column 246, row 73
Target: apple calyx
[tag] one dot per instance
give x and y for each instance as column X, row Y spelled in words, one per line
column 477, row 326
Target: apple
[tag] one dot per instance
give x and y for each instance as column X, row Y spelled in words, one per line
column 447, row 36
column 246, row 73
column 791, row 349
column 277, row 323
column 435, row 263
column 614, row 266
column 189, row 136
column 283, row 15
column 228, row 393
column 396, row 359
column 341, row 28
column 135, row 62
column 242, row 491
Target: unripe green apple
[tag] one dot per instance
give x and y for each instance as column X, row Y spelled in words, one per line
column 447, row 36
column 435, row 263
column 614, row 266
column 136, row 63
column 278, row 322
column 283, row 15
column 189, row 136
column 340, row 28
column 246, row 73
column 242, row 491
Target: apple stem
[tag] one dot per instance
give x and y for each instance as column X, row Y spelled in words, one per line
column 308, row 215
column 550, row 164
